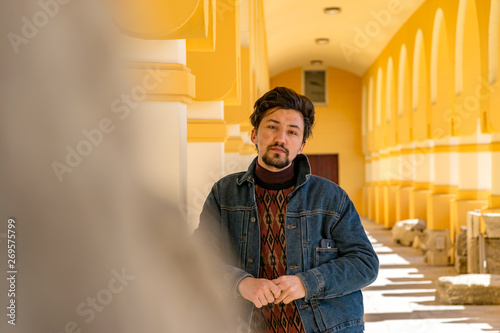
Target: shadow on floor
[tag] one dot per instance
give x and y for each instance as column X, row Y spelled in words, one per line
column 402, row 299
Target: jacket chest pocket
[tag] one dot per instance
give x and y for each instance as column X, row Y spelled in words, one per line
column 324, row 255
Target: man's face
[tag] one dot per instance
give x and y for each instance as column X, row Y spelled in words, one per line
column 279, row 138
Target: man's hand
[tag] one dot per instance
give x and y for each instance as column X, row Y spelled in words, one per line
column 258, row 291
column 291, row 287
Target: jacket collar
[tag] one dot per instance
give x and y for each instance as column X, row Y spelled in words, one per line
column 302, row 166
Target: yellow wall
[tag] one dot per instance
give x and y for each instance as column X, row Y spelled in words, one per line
column 338, row 125
column 448, row 107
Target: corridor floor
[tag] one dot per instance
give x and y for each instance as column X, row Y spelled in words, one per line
column 402, row 299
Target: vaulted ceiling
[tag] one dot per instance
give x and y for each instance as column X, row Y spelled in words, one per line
column 356, row 35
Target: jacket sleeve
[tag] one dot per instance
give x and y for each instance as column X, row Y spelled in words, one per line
column 356, row 265
column 218, row 245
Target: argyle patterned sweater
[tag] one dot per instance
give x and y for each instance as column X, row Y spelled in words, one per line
column 271, row 205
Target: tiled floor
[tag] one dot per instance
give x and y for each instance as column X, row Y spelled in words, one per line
column 402, row 300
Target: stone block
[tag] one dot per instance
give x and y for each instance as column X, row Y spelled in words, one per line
column 492, row 255
column 437, row 247
column 473, row 255
column 473, row 235
column 405, row 231
column 437, row 258
column 461, row 264
column 474, row 289
column 492, row 222
column 461, row 252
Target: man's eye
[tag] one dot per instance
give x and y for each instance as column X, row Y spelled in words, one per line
column 271, row 127
column 293, row 133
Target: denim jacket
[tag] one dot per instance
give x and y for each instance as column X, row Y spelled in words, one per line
column 316, row 210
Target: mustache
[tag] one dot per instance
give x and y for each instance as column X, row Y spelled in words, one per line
column 278, row 145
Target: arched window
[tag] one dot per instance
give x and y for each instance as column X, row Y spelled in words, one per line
column 378, row 109
column 389, row 90
column 401, row 80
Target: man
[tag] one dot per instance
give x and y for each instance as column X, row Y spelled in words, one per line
column 296, row 254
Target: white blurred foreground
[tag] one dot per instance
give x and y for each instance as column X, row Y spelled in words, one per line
column 96, row 250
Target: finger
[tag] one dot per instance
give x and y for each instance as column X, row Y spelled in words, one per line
column 281, row 298
column 277, row 280
column 283, row 283
column 269, row 296
column 276, row 291
column 257, row 303
column 263, row 300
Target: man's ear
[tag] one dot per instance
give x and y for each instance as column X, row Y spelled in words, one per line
column 302, row 147
column 253, row 136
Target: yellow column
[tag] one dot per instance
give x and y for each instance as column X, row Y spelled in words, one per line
column 382, row 185
column 403, row 201
column 423, row 164
column 474, row 187
column 370, row 195
column 206, row 134
column 377, row 193
column 162, row 20
column 156, row 113
column 403, row 193
column 379, row 202
column 391, row 190
column 494, row 198
column 390, row 193
column 218, row 73
column 239, row 150
column 445, row 184
column 154, row 43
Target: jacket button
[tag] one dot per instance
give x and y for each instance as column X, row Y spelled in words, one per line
column 252, row 219
column 249, row 185
column 250, row 260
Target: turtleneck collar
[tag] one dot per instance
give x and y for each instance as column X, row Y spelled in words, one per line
column 275, row 178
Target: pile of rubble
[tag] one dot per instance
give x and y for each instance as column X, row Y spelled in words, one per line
column 476, row 256
column 434, row 244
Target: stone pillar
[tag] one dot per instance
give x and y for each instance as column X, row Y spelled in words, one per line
column 423, row 163
column 375, row 178
column 406, row 176
column 155, row 112
column 474, row 178
column 445, row 184
column 382, row 166
column 370, row 187
column 390, row 192
column 159, row 148
column 494, row 199
column 205, row 153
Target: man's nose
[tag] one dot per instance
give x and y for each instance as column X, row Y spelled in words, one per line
column 280, row 136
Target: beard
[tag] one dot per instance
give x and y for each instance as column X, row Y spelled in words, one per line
column 275, row 159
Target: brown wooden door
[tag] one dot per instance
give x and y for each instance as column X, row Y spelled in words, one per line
column 326, row 166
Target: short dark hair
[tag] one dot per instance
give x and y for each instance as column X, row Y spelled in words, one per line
column 284, row 98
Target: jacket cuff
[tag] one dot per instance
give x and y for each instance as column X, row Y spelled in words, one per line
column 239, row 275
column 314, row 284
